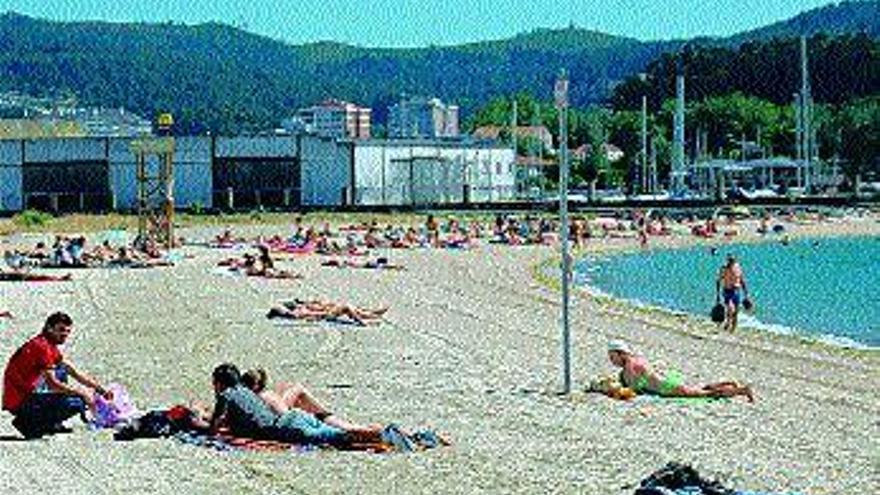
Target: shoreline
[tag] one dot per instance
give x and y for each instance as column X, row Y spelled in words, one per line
column 544, row 272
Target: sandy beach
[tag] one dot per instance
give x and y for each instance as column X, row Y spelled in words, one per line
column 471, row 348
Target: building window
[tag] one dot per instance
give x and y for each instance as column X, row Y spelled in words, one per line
column 498, row 168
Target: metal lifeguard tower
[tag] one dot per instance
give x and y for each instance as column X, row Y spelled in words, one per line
column 155, row 187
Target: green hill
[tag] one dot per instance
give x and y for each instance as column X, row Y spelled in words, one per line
column 215, row 77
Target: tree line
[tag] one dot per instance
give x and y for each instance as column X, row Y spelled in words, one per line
column 732, row 95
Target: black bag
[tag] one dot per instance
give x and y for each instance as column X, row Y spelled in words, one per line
column 676, row 476
column 717, row 313
column 154, row 424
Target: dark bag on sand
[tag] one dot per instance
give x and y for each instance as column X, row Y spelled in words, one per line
column 157, row 424
column 717, row 313
column 675, row 477
column 747, row 304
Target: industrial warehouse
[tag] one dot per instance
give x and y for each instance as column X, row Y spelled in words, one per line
column 92, row 174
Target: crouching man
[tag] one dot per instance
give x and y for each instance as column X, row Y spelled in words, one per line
column 35, row 388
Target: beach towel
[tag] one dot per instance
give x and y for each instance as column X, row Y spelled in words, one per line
column 394, row 440
column 326, row 322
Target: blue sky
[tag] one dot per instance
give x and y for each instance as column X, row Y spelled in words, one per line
column 397, row 23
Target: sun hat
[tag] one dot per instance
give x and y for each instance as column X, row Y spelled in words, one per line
column 619, row 346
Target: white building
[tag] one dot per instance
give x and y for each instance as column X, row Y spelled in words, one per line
column 422, row 118
column 412, row 172
column 332, row 119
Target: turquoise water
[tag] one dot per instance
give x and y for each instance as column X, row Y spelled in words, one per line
column 826, row 288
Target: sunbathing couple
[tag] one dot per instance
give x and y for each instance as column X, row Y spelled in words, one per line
column 380, row 263
column 637, row 375
column 261, row 265
column 289, row 414
column 318, row 310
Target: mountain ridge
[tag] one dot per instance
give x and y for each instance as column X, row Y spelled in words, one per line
column 217, row 77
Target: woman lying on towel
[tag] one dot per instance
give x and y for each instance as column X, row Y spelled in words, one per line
column 245, row 414
column 265, row 267
column 322, row 310
column 16, row 276
column 288, row 396
column 258, row 266
column 637, row 374
column 131, row 258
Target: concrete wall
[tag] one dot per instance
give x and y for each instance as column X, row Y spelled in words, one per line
column 256, row 147
column 10, row 176
column 64, row 150
column 193, row 182
column 325, row 171
column 192, row 172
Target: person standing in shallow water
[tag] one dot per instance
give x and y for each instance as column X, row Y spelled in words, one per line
column 731, row 286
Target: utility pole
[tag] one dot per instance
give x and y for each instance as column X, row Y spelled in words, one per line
column 513, row 119
column 678, row 159
column 560, row 93
column 653, row 186
column 644, row 136
column 798, row 138
column 806, row 114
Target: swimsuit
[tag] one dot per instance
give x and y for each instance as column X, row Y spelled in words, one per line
column 731, row 295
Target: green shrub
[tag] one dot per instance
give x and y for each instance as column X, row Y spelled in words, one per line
column 32, row 218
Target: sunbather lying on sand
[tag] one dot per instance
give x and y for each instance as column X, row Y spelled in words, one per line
column 17, row 276
column 5, row 314
column 261, row 266
column 323, row 310
column 245, row 414
column 377, row 264
column 132, row 258
column 288, row 396
column 636, row 373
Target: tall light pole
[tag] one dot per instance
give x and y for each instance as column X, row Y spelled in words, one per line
column 798, row 133
column 644, row 136
column 560, row 93
column 679, row 167
column 513, row 119
column 806, row 115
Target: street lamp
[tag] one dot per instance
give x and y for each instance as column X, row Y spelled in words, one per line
column 560, row 93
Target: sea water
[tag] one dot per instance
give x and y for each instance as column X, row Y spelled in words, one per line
column 827, row 288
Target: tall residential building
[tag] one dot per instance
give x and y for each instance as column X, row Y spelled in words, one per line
column 332, row 118
column 422, row 117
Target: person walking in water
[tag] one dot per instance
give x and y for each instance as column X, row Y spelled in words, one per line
column 731, row 285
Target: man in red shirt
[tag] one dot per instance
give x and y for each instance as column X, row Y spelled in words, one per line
column 34, row 383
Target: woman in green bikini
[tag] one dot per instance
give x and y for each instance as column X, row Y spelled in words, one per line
column 636, row 373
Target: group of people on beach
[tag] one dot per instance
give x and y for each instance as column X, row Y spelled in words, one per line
column 39, row 393
column 73, row 252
